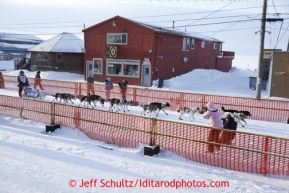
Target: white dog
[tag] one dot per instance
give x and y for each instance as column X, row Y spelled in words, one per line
column 190, row 111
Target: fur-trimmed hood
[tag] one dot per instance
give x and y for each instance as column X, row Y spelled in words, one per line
column 211, row 106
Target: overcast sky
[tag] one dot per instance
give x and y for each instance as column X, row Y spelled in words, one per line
column 232, row 21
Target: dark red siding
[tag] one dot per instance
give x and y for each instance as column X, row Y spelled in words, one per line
column 166, row 56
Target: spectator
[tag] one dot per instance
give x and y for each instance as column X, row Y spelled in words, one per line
column 2, row 85
column 123, row 88
column 37, row 81
column 231, row 124
column 90, row 84
column 214, row 120
column 108, row 87
column 22, row 81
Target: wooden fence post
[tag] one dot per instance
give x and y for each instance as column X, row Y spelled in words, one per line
column 52, row 113
column 153, row 131
column 21, row 110
column 264, row 159
column 76, row 117
column 134, row 95
column 76, row 89
column 203, row 100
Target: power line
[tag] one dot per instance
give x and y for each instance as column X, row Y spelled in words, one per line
column 228, row 27
column 208, row 11
column 211, row 13
column 151, row 16
column 283, row 35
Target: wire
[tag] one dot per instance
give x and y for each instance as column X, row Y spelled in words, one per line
column 230, row 26
column 211, row 13
column 282, row 35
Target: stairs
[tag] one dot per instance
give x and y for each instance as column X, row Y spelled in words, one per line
column 24, row 65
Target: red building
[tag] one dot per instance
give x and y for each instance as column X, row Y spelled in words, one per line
column 120, row 48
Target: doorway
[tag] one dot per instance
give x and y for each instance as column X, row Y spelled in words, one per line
column 146, row 75
column 89, row 68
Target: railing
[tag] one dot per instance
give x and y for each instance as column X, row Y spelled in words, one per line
column 261, row 109
column 249, row 152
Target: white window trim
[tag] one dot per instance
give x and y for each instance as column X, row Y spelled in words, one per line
column 94, row 67
column 193, row 44
column 116, row 34
column 203, row 44
column 188, row 44
column 121, row 62
column 184, row 44
column 215, row 45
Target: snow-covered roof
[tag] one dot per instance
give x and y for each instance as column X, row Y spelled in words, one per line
column 8, row 45
column 177, row 32
column 170, row 30
column 64, row 42
column 19, row 37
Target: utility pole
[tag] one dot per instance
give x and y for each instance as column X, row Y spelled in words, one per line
column 288, row 45
column 261, row 51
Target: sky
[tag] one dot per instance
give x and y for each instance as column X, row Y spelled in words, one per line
column 232, row 21
column 32, row 161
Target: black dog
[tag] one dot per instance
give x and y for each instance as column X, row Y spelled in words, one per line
column 247, row 113
column 156, row 106
column 60, row 96
column 116, row 103
column 97, row 98
column 87, row 100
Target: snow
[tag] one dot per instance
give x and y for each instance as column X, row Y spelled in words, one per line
column 32, row 161
column 61, row 43
column 177, row 31
column 24, row 46
column 19, row 37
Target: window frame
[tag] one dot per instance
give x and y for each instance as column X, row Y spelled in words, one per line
column 193, row 44
column 184, row 44
column 203, row 44
column 215, row 45
column 40, row 56
column 120, row 37
column 122, row 63
column 93, row 65
column 56, row 57
column 188, row 44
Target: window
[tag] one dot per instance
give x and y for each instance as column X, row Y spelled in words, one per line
column 220, row 47
column 97, row 65
column 193, row 44
column 59, row 57
column 41, row 56
column 188, row 44
column 215, row 45
column 203, row 44
column 184, row 44
column 123, row 67
column 116, row 38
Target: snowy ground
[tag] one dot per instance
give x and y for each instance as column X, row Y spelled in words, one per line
column 34, row 162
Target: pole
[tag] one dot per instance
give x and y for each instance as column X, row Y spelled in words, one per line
column 288, row 46
column 261, row 51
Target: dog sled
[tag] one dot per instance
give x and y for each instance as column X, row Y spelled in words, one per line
column 30, row 92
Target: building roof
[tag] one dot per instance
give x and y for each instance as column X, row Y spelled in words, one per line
column 20, row 38
column 160, row 29
column 64, row 42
